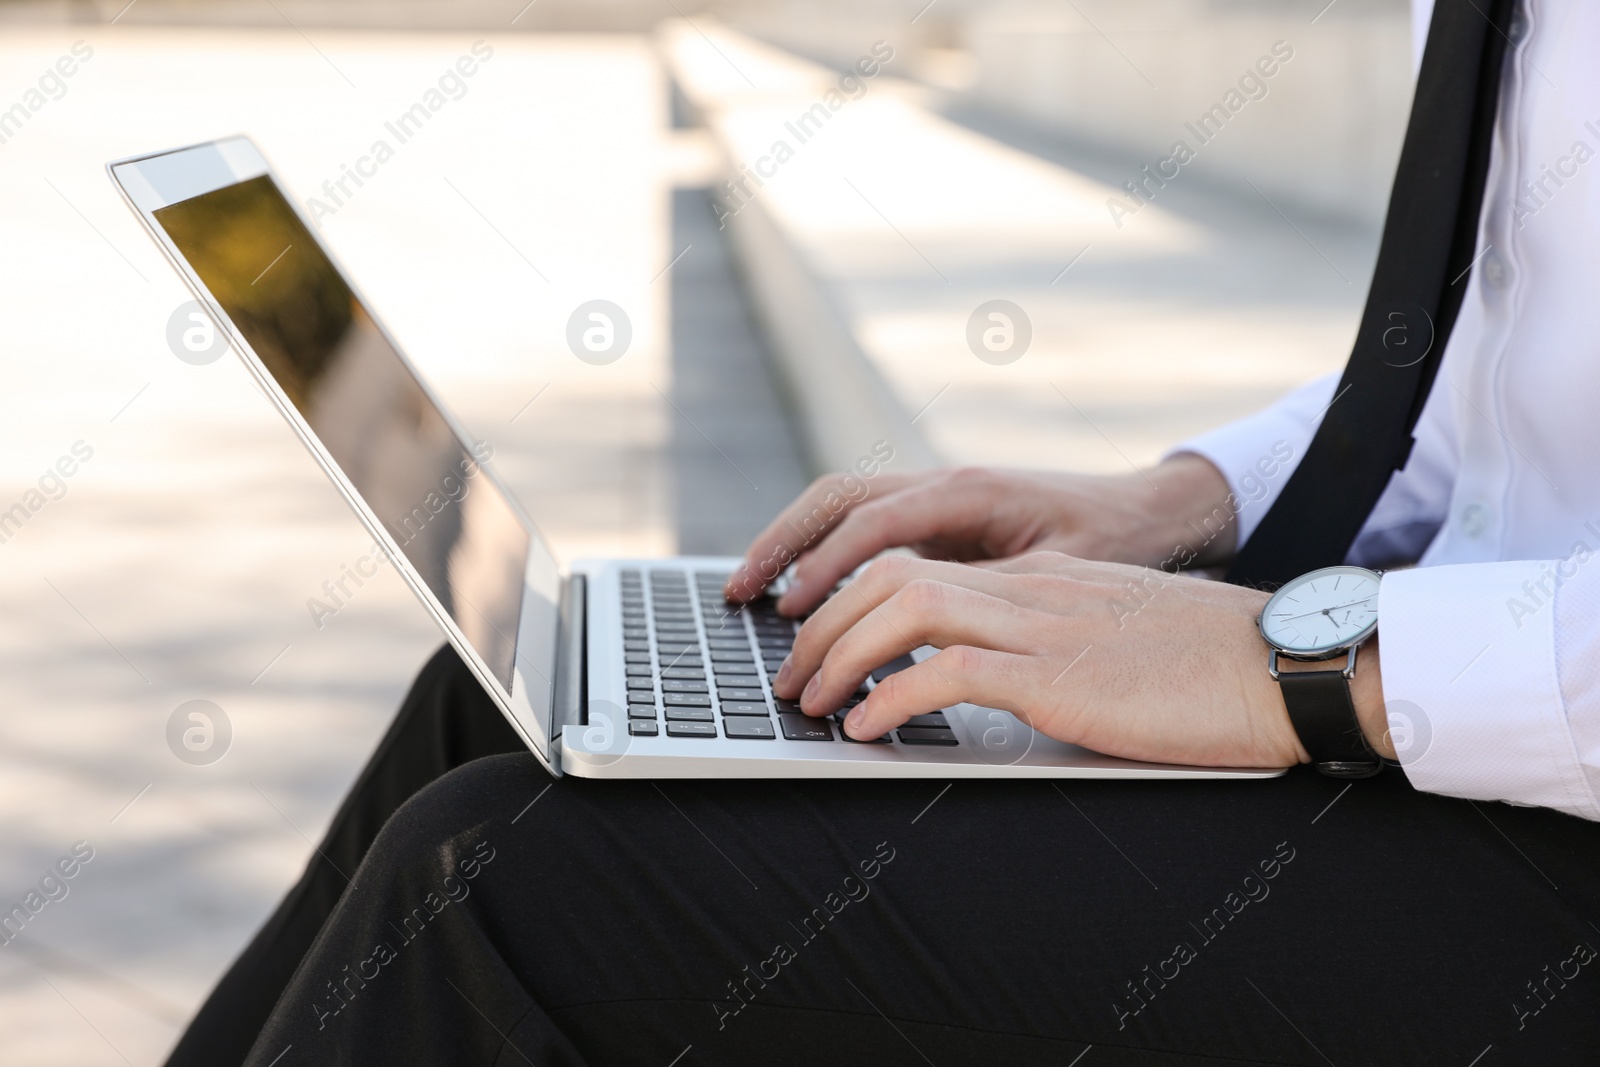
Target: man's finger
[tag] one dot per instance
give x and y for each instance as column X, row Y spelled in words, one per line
column 960, row 673
column 861, row 595
column 936, row 509
column 1030, row 591
column 806, row 521
column 924, row 612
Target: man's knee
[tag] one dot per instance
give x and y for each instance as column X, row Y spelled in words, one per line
column 464, row 804
column 448, row 705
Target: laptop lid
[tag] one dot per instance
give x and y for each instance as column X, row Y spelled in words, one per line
column 414, row 477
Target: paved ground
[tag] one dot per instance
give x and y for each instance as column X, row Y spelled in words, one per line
column 733, row 454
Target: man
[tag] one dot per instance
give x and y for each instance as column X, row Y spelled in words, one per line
column 502, row 918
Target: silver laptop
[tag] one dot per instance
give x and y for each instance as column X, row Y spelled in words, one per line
column 609, row 668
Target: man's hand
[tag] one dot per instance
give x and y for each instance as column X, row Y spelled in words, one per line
column 980, row 514
column 1120, row 659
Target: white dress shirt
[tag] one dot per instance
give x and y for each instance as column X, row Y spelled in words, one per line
column 1491, row 647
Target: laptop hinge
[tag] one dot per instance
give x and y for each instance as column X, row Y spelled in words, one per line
column 568, row 698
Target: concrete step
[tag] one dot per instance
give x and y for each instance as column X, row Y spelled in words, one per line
column 874, row 232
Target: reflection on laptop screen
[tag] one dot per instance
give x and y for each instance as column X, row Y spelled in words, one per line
column 287, row 300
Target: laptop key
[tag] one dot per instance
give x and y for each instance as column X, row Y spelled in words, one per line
column 646, row 683
column 686, row 700
column 641, row 711
column 690, row 715
column 894, row 666
column 926, row 735
column 635, row 646
column 636, row 657
column 691, row 673
column 683, row 685
column 642, row 728
column 723, row 655
column 933, row 718
column 805, row 728
column 691, row 729
column 884, row 740
column 745, row 707
column 754, row 729
column 788, row 706
column 743, row 680
column 741, row 693
column 639, row 670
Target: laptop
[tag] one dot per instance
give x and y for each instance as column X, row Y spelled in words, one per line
column 618, row 668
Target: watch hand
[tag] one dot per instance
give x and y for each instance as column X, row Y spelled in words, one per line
column 1336, row 607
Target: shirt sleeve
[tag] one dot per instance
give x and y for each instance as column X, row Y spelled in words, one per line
column 1256, row 454
column 1491, row 680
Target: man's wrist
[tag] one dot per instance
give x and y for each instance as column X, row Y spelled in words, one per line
column 1366, row 693
column 1199, row 525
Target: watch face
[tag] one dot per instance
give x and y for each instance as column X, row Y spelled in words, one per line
column 1324, row 611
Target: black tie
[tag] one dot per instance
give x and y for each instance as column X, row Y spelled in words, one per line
column 1429, row 243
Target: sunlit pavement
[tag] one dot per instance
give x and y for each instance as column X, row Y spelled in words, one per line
column 178, row 563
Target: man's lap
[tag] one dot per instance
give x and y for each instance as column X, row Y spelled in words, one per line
column 1257, row 921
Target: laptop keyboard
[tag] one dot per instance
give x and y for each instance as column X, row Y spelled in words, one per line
column 699, row 667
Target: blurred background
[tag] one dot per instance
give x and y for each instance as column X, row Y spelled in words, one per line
column 806, row 210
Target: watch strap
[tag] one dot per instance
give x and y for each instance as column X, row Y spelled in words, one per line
column 1324, row 717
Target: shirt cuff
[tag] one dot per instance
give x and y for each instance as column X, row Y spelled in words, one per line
column 1256, row 454
column 1471, row 686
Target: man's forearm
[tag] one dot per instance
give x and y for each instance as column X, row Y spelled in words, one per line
column 1194, row 521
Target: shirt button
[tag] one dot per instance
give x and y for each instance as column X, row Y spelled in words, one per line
column 1496, row 271
column 1474, row 520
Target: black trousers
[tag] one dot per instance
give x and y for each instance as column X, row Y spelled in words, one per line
column 500, row 917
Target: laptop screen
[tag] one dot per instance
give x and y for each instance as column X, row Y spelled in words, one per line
column 424, row 483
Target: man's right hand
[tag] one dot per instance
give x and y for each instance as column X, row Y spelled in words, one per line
column 974, row 514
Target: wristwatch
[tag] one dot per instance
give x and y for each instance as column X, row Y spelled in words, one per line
column 1324, row 615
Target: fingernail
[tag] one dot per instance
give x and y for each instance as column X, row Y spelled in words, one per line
column 783, row 672
column 811, row 688
column 852, row 721
column 790, row 591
